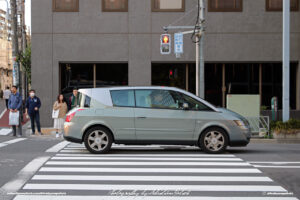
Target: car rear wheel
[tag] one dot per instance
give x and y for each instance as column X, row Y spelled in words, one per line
column 213, row 140
column 98, row 140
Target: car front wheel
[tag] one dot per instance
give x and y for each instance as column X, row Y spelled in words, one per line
column 213, row 140
column 98, row 140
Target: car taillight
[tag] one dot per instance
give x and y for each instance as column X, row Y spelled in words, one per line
column 70, row 116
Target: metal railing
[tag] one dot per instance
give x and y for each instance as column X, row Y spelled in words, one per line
column 259, row 125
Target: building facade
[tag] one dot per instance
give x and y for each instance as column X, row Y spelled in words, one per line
column 5, row 51
column 96, row 43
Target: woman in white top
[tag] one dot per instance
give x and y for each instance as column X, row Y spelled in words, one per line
column 61, row 105
column 6, row 95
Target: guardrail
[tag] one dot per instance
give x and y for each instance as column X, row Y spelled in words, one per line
column 259, row 125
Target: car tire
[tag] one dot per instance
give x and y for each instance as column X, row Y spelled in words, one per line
column 98, row 140
column 213, row 140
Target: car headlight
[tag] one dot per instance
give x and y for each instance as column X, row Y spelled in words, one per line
column 240, row 124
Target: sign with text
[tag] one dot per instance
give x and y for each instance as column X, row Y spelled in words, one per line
column 178, row 43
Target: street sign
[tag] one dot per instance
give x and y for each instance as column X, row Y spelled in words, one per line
column 178, row 43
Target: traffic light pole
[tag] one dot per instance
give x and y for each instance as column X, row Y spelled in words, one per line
column 286, row 62
column 198, row 30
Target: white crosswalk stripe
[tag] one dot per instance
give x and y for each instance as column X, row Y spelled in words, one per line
column 154, row 176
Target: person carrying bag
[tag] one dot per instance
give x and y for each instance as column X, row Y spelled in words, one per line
column 59, row 112
column 14, row 106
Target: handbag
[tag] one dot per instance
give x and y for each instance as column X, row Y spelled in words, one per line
column 55, row 114
column 14, row 118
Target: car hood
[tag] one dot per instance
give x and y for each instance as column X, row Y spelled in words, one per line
column 232, row 113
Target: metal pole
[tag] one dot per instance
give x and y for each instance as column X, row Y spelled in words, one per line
column 15, row 51
column 200, row 82
column 286, row 61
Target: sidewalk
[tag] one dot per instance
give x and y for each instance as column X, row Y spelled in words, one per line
column 4, row 119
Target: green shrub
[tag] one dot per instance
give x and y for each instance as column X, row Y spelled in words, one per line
column 289, row 126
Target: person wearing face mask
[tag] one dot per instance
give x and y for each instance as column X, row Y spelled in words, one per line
column 33, row 105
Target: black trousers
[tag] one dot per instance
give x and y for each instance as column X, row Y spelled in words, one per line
column 15, row 129
column 6, row 103
column 35, row 117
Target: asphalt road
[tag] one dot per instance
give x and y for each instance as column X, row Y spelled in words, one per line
column 68, row 171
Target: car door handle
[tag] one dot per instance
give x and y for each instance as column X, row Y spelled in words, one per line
column 141, row 117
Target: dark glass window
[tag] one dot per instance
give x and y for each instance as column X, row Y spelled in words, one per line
column 276, row 5
column 65, row 5
column 225, row 5
column 123, row 98
column 156, row 99
column 194, row 104
column 115, row 5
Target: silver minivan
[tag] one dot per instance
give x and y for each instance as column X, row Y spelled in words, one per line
column 152, row 115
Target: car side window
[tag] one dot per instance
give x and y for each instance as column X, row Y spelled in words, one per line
column 123, row 98
column 194, row 104
column 163, row 99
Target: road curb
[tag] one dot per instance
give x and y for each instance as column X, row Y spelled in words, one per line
column 274, row 141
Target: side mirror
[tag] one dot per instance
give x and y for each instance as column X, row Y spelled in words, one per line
column 185, row 106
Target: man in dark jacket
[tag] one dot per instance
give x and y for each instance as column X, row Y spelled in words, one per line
column 33, row 105
column 14, row 105
column 74, row 99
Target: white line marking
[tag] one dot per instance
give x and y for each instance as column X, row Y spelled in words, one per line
column 275, row 163
column 2, row 145
column 1, row 115
column 166, row 170
column 149, row 155
column 271, row 166
column 58, row 147
column 5, row 131
column 153, row 178
column 152, row 159
column 227, row 188
column 72, row 163
column 53, row 197
column 14, row 141
column 24, row 175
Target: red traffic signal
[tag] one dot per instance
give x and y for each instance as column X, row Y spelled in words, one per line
column 165, row 43
column 165, row 39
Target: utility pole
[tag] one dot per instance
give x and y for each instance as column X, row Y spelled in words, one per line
column 200, row 82
column 198, row 31
column 24, row 45
column 286, row 61
column 15, row 51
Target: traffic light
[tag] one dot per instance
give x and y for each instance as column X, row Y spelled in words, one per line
column 171, row 74
column 165, row 44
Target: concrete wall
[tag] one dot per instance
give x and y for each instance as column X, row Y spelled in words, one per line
column 253, row 35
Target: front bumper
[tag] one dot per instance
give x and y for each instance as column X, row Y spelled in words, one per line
column 243, row 139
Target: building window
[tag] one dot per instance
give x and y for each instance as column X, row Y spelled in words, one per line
column 225, row 5
column 65, row 5
column 276, row 5
column 115, row 5
column 168, row 5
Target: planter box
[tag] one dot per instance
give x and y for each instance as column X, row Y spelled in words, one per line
column 281, row 135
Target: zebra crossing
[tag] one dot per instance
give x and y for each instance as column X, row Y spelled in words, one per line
column 73, row 174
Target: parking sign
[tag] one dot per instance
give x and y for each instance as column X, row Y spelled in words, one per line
column 178, row 43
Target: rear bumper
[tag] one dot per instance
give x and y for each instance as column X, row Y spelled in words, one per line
column 72, row 139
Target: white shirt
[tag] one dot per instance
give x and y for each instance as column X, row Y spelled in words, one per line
column 6, row 94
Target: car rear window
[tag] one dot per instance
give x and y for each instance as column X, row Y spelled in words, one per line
column 85, row 100
column 123, row 98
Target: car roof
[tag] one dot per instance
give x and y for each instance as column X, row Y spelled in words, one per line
column 105, row 90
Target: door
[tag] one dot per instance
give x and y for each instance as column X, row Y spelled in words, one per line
column 159, row 116
column 121, row 116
